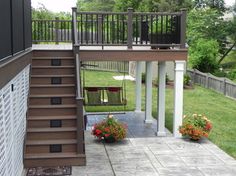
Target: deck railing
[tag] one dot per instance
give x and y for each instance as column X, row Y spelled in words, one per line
column 129, row 28
column 115, row 28
column 51, row 30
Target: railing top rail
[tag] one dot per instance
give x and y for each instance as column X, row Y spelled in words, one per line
column 135, row 13
column 44, row 20
column 158, row 13
column 102, row 13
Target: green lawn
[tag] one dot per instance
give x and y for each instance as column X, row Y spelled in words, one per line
column 219, row 109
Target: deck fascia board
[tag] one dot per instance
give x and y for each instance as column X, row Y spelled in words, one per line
column 133, row 55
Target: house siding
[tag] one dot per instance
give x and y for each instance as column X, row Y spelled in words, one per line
column 13, row 108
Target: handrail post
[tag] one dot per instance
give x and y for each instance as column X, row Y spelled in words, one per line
column 57, row 30
column 130, row 28
column 80, row 126
column 183, row 28
column 74, row 22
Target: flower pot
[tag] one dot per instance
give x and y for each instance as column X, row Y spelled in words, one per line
column 110, row 140
column 156, row 38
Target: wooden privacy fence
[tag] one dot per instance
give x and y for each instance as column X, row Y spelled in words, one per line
column 112, row 66
column 207, row 80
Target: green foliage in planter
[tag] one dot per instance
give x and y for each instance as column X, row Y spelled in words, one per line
column 110, row 130
column 195, row 126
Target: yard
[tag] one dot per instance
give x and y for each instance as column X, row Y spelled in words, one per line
column 219, row 109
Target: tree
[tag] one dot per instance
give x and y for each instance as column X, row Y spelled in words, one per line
column 95, row 5
column 203, row 55
column 165, row 5
column 42, row 13
column 123, row 5
column 206, row 24
column 218, row 5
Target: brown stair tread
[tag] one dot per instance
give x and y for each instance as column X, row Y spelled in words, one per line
column 50, row 96
column 51, row 58
column 52, row 85
column 50, row 142
column 65, row 117
column 53, row 155
column 54, row 67
column 42, row 130
column 52, row 106
column 49, row 76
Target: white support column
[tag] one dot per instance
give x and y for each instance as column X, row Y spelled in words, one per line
column 178, row 97
column 148, row 95
column 161, row 98
column 138, row 78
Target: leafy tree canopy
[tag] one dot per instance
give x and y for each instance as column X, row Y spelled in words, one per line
column 203, row 55
column 43, row 13
column 137, row 5
column 206, row 24
column 218, row 5
column 95, row 5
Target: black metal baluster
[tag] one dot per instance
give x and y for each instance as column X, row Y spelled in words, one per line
column 151, row 40
column 147, row 32
column 91, row 28
column 136, row 29
column 81, row 27
column 118, row 28
column 123, row 29
column 97, row 29
column 86, row 28
column 107, row 29
column 102, row 29
column 113, row 28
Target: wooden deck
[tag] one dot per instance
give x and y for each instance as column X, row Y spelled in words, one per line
column 121, row 53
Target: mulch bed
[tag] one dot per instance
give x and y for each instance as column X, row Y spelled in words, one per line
column 50, row 171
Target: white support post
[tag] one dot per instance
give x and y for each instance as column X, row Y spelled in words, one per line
column 138, row 92
column 161, row 98
column 178, row 97
column 148, row 95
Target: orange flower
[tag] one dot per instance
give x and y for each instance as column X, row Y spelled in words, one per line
column 107, row 135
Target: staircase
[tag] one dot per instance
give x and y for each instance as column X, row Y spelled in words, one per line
column 53, row 134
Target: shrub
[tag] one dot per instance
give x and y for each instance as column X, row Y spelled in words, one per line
column 203, row 55
column 195, row 126
column 187, row 79
column 220, row 73
column 110, row 130
column 143, row 77
column 232, row 75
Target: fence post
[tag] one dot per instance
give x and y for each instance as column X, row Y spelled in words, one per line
column 183, row 28
column 130, row 28
column 100, row 29
column 224, row 86
column 57, row 30
column 194, row 75
column 207, row 80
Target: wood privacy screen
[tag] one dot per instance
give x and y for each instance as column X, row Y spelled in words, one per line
column 15, row 30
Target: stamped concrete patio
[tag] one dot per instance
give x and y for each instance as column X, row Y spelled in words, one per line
column 144, row 154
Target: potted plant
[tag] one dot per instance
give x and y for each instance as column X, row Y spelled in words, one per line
column 109, row 130
column 163, row 31
column 195, row 127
